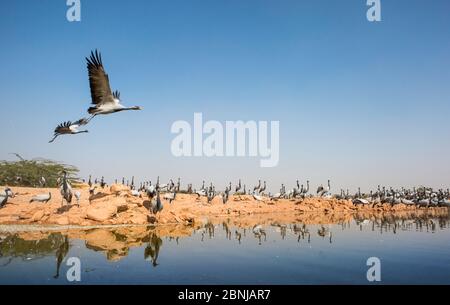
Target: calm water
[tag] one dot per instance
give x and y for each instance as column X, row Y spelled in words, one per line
column 411, row 251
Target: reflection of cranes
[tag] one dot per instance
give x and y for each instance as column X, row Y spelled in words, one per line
column 323, row 232
column 302, row 231
column 227, row 230
column 282, row 229
column 209, row 227
column 175, row 238
column 12, row 246
column 238, row 236
column 152, row 249
column 61, row 254
column 394, row 224
column 258, row 231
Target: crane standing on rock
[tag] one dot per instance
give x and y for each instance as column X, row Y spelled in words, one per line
column 305, row 191
column 256, row 188
column 66, row 190
column 238, row 187
column 262, row 189
column 321, row 191
column 42, row 198
column 170, row 196
column 77, row 195
column 5, row 195
column 156, row 204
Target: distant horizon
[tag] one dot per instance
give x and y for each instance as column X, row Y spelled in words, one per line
column 360, row 103
column 270, row 188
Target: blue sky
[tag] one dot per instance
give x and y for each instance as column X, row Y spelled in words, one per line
column 358, row 102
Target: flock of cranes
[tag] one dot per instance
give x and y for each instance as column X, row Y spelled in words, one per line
column 415, row 196
column 104, row 100
column 422, row 197
column 67, row 193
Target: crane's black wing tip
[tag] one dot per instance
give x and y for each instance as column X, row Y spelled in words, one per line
column 95, row 60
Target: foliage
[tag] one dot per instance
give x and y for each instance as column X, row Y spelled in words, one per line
column 29, row 172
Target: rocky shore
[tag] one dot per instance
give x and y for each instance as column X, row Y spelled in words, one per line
column 117, row 206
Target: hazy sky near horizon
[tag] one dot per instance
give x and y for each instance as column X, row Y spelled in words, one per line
column 360, row 103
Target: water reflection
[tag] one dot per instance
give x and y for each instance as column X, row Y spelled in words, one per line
column 392, row 224
column 33, row 247
column 61, row 254
column 115, row 243
column 152, row 249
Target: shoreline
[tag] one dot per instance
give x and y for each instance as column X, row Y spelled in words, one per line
column 116, row 206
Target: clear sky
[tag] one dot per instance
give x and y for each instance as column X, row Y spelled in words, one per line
column 360, row 103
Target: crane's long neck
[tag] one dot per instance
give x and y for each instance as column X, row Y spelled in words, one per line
column 64, row 182
column 158, row 201
column 128, row 108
